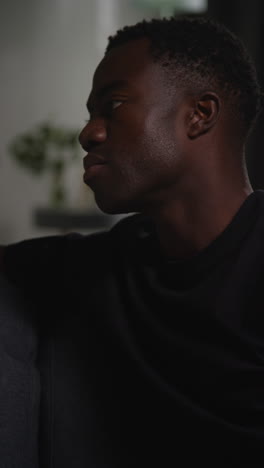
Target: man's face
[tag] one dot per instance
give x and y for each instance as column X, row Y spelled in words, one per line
column 136, row 129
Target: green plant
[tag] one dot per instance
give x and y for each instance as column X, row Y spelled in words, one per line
column 47, row 148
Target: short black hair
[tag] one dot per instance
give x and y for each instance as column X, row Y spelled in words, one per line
column 207, row 53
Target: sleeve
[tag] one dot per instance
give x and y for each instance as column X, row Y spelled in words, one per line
column 36, row 262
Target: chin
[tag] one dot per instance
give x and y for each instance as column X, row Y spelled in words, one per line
column 115, row 207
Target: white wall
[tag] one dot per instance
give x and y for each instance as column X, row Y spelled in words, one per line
column 49, row 50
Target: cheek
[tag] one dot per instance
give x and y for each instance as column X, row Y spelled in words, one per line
column 159, row 145
column 144, row 147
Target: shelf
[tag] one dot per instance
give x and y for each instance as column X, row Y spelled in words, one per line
column 69, row 219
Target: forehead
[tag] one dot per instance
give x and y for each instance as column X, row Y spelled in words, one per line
column 130, row 64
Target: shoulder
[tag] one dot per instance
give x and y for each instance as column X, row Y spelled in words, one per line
column 131, row 228
column 52, row 256
column 128, row 228
column 33, row 258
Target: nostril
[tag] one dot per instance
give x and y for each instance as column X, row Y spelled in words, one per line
column 84, row 141
column 88, row 145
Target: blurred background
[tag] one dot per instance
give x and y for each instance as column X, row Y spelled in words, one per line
column 49, row 52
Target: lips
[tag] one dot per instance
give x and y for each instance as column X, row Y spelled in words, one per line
column 93, row 165
column 92, row 159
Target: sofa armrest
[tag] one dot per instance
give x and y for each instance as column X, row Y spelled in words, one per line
column 19, row 380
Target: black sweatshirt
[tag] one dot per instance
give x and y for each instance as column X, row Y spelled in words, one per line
column 154, row 361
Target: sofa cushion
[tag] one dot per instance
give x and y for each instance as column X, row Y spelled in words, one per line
column 19, row 380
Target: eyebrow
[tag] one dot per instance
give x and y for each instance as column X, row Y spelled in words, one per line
column 105, row 90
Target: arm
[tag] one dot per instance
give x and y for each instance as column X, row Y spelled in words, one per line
column 36, row 262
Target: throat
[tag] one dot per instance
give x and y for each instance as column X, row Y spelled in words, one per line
column 183, row 233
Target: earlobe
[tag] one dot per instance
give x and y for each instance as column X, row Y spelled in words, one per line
column 204, row 115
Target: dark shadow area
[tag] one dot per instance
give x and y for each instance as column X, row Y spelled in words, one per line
column 246, row 19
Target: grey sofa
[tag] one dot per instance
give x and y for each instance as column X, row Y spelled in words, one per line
column 19, row 381
column 48, row 414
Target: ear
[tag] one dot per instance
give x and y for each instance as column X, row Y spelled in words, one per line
column 204, row 115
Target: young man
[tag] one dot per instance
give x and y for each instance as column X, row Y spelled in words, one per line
column 160, row 319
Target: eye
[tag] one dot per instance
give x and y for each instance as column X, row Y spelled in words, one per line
column 110, row 107
column 115, row 103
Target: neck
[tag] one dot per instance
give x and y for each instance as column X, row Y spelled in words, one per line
column 191, row 221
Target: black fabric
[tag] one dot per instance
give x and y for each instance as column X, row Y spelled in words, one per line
column 19, row 381
column 147, row 360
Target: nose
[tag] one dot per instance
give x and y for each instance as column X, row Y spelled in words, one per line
column 93, row 133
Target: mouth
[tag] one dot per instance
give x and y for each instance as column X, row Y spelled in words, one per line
column 92, row 159
column 93, row 164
